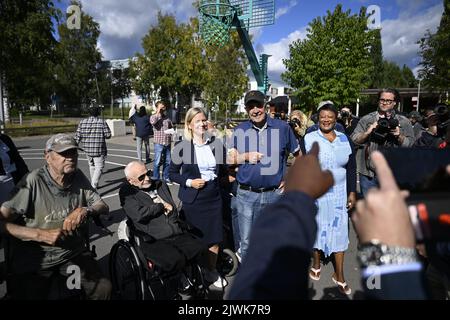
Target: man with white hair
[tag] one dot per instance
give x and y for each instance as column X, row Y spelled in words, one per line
column 150, row 206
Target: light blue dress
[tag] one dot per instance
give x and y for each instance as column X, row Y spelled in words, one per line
column 332, row 216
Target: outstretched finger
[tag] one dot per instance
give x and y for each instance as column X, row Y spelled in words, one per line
column 384, row 173
column 314, row 149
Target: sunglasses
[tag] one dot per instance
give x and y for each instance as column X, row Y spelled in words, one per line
column 142, row 177
column 251, row 106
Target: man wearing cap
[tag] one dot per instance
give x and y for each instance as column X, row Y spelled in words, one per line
column 46, row 219
column 260, row 146
column 91, row 133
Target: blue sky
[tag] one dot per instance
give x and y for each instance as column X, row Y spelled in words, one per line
column 403, row 23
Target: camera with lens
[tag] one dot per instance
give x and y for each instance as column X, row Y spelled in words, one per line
column 345, row 115
column 294, row 122
column 443, row 118
column 383, row 130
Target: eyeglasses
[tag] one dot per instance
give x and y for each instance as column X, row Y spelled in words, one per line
column 386, row 101
column 142, row 176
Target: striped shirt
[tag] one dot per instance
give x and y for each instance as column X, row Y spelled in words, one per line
column 161, row 124
column 92, row 132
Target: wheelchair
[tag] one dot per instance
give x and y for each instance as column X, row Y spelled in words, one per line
column 134, row 277
column 57, row 281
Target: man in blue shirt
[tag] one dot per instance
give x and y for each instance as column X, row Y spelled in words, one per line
column 260, row 147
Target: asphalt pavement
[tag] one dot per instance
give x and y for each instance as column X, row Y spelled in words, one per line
column 122, row 150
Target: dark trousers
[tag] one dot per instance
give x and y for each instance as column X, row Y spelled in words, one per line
column 54, row 283
column 173, row 253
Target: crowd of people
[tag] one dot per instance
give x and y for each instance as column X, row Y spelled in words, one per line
column 286, row 222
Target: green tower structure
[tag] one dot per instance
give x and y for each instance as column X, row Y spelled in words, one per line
column 218, row 17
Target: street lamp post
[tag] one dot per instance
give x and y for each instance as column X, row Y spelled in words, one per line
column 418, row 95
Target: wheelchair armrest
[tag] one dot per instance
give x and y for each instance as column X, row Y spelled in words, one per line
column 140, row 234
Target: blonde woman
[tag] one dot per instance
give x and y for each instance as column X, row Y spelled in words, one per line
column 299, row 122
column 197, row 166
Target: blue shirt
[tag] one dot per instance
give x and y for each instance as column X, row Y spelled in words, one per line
column 275, row 141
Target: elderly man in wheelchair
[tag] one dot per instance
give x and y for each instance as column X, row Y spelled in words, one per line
column 158, row 250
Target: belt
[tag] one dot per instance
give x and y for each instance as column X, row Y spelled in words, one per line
column 257, row 190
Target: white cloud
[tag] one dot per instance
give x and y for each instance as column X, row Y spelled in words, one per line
column 124, row 23
column 279, row 51
column 399, row 37
column 283, row 10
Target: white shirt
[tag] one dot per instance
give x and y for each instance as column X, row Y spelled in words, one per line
column 206, row 162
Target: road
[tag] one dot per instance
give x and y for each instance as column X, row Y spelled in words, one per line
column 122, row 150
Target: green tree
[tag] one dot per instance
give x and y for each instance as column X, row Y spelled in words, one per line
column 408, row 76
column 226, row 76
column 121, row 84
column 394, row 76
column 333, row 62
column 172, row 62
column 435, row 53
column 27, row 50
column 376, row 55
column 78, row 73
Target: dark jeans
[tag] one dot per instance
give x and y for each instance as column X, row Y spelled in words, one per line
column 366, row 183
column 173, row 253
column 53, row 283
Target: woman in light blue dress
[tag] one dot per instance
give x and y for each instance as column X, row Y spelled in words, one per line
column 336, row 155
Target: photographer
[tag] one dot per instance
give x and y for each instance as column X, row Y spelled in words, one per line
column 437, row 122
column 381, row 128
column 299, row 122
column 348, row 120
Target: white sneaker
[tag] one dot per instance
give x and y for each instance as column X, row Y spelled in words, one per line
column 220, row 283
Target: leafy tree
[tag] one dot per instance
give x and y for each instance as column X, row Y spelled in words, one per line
column 27, row 50
column 172, row 61
column 226, row 76
column 121, row 84
column 78, row 73
column 408, row 76
column 394, row 76
column 333, row 62
column 376, row 55
column 435, row 53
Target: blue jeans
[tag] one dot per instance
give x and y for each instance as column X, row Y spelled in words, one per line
column 235, row 223
column 366, row 183
column 161, row 151
column 249, row 205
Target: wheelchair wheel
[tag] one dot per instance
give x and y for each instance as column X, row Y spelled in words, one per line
column 227, row 263
column 126, row 272
column 197, row 286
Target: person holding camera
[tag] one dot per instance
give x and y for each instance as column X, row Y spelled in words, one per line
column 381, row 128
column 348, row 120
column 299, row 122
column 437, row 134
column 162, row 141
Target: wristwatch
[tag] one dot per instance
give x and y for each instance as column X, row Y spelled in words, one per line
column 375, row 253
